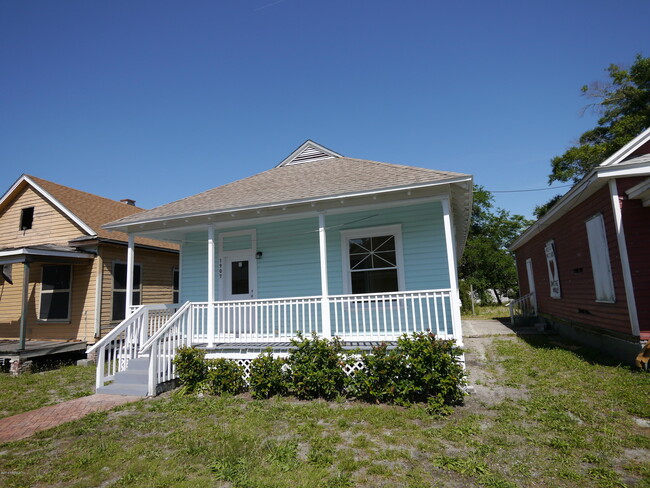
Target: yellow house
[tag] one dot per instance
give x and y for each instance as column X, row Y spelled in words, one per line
column 76, row 291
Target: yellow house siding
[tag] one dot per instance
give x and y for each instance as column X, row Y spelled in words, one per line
column 82, row 301
column 50, row 226
column 157, row 276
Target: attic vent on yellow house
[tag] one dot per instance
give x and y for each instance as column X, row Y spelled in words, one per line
column 309, row 151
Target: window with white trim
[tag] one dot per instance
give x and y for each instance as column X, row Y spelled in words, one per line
column 55, row 292
column 119, row 289
column 372, row 259
column 600, row 263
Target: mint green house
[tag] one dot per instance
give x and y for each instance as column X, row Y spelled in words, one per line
column 323, row 243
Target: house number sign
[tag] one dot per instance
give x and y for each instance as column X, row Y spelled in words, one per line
column 220, row 268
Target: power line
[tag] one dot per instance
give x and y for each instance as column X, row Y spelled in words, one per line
column 521, row 191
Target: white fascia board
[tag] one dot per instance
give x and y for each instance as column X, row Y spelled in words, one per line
column 638, row 190
column 628, row 149
column 623, row 170
column 119, row 226
column 556, row 211
column 612, row 167
column 42, row 252
column 50, row 198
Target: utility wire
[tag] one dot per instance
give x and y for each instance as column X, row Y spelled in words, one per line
column 520, row 191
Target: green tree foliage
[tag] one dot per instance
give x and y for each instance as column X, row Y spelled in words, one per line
column 623, row 104
column 487, row 264
column 540, row 210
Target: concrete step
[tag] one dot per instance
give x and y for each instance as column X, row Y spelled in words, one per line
column 138, row 364
column 129, row 377
column 132, row 382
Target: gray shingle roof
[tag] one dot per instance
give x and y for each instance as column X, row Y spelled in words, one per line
column 298, row 182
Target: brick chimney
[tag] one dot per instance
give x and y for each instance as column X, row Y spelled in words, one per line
column 128, row 201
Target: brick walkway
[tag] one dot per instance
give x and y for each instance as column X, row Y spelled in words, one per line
column 25, row 424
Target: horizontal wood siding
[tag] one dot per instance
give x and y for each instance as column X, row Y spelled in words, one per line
column 423, row 241
column 578, row 296
column 194, row 275
column 636, row 222
column 290, row 264
column 50, row 226
column 157, row 277
column 82, row 305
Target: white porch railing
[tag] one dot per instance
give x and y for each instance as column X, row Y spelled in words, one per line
column 386, row 316
column 371, row 317
column 123, row 342
column 523, row 309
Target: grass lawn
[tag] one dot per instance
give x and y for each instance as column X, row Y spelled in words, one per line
column 543, row 415
column 35, row 390
column 488, row 312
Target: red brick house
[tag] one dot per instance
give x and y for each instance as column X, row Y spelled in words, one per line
column 586, row 262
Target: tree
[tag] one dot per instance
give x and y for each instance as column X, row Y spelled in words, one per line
column 624, row 105
column 540, row 210
column 487, row 264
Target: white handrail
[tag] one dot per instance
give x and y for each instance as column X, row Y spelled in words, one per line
column 526, row 306
column 160, row 332
column 116, row 330
column 122, row 343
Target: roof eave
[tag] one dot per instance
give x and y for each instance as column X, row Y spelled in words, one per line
column 595, row 180
column 121, row 225
column 45, row 194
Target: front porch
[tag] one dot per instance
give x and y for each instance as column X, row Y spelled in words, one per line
column 20, row 354
column 243, row 329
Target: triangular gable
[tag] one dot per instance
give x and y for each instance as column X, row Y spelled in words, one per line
column 309, row 151
column 25, row 179
column 630, row 149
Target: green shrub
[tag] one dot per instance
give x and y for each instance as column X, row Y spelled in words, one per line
column 316, row 367
column 268, row 377
column 191, row 367
column 378, row 381
column 224, row 376
column 420, row 369
column 434, row 370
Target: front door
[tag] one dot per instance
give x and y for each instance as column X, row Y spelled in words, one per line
column 239, row 283
column 239, row 280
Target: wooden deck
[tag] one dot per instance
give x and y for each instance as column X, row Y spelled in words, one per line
column 9, row 349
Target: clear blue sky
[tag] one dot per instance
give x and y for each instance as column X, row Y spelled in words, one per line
column 158, row 100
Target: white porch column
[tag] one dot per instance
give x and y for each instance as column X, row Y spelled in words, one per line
column 450, row 241
column 325, row 301
column 211, row 282
column 625, row 262
column 130, row 264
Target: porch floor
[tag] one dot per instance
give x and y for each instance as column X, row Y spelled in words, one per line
column 9, row 349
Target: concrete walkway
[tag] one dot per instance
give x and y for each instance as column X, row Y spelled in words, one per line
column 25, row 424
column 492, row 327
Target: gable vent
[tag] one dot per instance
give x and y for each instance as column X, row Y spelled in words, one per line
column 310, row 153
column 307, row 152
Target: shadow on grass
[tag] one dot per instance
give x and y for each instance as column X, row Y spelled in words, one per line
column 585, row 353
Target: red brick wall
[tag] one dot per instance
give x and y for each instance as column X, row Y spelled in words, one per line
column 578, row 300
